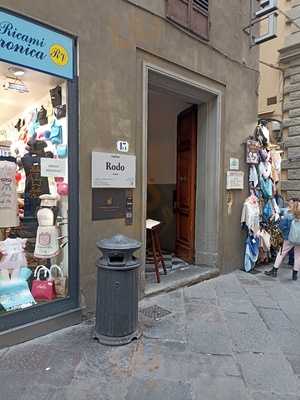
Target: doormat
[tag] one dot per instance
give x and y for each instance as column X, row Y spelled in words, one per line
column 155, row 312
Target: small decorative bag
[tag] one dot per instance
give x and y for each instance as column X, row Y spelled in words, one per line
column 60, row 281
column 60, row 111
column 62, row 188
column 56, row 133
column 42, row 116
column 55, row 95
column 266, row 187
column 43, row 290
column 62, row 150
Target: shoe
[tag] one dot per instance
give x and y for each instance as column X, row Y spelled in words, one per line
column 295, row 275
column 272, row 272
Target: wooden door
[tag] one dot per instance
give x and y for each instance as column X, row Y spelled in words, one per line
column 186, row 184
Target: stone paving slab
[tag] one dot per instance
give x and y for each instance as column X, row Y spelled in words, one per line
column 236, row 337
column 260, row 373
column 220, row 388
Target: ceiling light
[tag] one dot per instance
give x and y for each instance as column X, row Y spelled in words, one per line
column 16, row 71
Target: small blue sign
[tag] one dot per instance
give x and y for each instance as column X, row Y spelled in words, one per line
column 31, row 45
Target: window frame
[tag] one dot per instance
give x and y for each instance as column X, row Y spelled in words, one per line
column 34, row 314
column 191, row 4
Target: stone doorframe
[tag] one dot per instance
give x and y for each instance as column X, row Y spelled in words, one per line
column 208, row 195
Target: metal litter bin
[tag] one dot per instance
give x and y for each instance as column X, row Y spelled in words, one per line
column 117, row 291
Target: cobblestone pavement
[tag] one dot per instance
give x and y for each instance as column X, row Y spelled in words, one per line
column 233, row 337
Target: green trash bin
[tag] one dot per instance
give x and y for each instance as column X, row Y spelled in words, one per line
column 117, row 291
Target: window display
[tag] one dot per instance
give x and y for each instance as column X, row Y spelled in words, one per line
column 33, row 189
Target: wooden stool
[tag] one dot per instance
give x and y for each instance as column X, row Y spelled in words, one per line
column 153, row 229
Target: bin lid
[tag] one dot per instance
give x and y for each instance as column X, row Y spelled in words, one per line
column 119, row 242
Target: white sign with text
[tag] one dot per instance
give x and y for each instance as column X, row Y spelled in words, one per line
column 53, row 167
column 235, row 180
column 113, row 170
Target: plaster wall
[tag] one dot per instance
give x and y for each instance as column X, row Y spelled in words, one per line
column 115, row 38
column 163, row 110
column 162, row 137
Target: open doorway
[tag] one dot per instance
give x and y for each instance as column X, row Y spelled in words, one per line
column 181, row 186
column 172, row 176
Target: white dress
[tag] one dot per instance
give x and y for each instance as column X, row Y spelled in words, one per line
column 46, row 245
column 13, row 256
column 8, row 195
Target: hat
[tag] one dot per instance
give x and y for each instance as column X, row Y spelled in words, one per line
column 49, row 200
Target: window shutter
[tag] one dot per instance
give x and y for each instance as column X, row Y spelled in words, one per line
column 178, row 11
column 191, row 14
column 199, row 18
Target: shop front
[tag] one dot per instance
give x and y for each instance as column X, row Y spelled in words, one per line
column 38, row 179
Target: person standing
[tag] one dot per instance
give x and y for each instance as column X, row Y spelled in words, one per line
column 290, row 228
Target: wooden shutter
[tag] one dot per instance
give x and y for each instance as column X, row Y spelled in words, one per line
column 199, row 18
column 191, row 14
column 178, row 11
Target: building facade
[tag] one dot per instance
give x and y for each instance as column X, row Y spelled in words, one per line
column 279, row 91
column 290, row 61
column 146, row 74
column 271, row 73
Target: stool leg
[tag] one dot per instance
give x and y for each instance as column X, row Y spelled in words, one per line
column 161, row 258
column 155, row 256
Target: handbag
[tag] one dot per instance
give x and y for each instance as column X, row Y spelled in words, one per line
column 56, row 133
column 62, row 150
column 267, row 211
column 62, row 188
column 60, row 111
column 60, row 281
column 294, row 235
column 266, row 187
column 42, row 116
column 55, row 95
column 43, row 290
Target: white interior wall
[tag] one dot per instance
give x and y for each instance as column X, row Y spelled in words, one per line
column 162, row 137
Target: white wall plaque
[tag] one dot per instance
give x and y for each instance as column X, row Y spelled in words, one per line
column 235, row 180
column 113, row 170
column 54, row 167
column 234, row 164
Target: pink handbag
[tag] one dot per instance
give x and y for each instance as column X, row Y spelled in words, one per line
column 62, row 188
column 43, row 290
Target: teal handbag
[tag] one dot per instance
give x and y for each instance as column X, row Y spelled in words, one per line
column 56, row 133
column 62, row 150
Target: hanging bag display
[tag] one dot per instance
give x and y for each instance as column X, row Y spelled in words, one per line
column 294, row 235
column 60, row 281
column 56, row 133
column 43, row 289
column 60, row 111
column 55, row 95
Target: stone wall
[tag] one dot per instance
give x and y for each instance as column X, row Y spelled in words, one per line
column 290, row 59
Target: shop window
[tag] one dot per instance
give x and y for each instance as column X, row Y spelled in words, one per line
column 34, row 267
column 191, row 14
column 271, row 100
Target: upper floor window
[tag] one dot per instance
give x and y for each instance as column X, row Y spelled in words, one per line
column 191, row 14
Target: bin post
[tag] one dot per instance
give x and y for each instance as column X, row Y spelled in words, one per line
column 117, row 291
